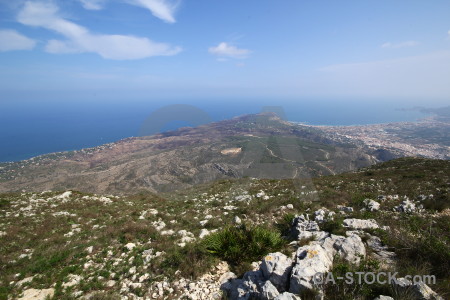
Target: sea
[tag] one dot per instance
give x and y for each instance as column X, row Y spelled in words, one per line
column 31, row 128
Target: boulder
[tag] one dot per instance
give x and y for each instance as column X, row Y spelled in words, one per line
column 249, row 287
column 372, row 205
column 381, row 297
column 345, row 209
column 350, row 248
column 34, row 294
column 407, row 206
column 419, row 290
column 311, row 260
column 360, row 224
column 268, row 291
column 276, row 267
column 287, row 296
column 319, row 215
column 302, row 228
column 380, row 252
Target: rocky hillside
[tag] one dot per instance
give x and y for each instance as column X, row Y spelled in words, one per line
column 260, row 146
column 237, row 238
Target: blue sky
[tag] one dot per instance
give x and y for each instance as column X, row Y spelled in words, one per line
column 292, row 49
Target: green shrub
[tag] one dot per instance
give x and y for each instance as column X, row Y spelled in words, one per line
column 341, row 290
column 243, row 244
column 192, row 260
column 284, row 225
column 333, row 226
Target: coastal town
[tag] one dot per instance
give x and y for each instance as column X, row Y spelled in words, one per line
column 425, row 138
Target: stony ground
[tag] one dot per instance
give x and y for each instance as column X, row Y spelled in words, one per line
column 72, row 245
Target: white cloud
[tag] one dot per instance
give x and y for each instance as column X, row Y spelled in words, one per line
column 400, row 45
column 80, row 39
column 12, row 40
column 225, row 50
column 162, row 9
column 93, row 4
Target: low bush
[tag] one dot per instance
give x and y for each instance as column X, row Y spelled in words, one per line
column 237, row 245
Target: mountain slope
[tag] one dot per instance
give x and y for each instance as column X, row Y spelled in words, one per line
column 75, row 244
column 261, row 146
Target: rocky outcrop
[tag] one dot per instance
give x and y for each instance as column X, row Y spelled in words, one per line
column 303, row 228
column 350, row 248
column 381, row 297
column 311, row 260
column 372, row 205
column 418, row 291
column 380, row 252
column 34, row 294
column 360, row 224
column 276, row 268
column 278, row 273
column 408, row 206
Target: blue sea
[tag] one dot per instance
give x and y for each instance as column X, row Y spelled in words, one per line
column 31, row 128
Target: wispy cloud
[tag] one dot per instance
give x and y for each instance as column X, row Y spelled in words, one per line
column 400, row 45
column 11, row 40
column 162, row 9
column 224, row 50
column 80, row 39
column 93, row 4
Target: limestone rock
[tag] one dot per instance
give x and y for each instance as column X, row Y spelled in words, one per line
column 419, row 291
column 269, row 291
column 302, row 228
column 380, row 251
column 350, row 248
column 310, row 260
column 360, row 224
column 34, row 294
column 372, row 205
column 276, row 267
column 407, row 206
column 287, row 296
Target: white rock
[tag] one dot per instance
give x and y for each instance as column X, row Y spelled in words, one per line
column 360, row 224
column 25, row 280
column 167, row 232
column 350, row 248
column 310, row 260
column 287, row 296
column 276, row 268
column 345, row 208
column 372, row 205
column 269, row 291
column 130, row 246
column 204, row 232
column 406, row 206
column 34, row 294
column 420, row 289
column 381, row 297
column 73, row 280
column 110, row 283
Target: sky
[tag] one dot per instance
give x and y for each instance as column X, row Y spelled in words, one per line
column 374, row 50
